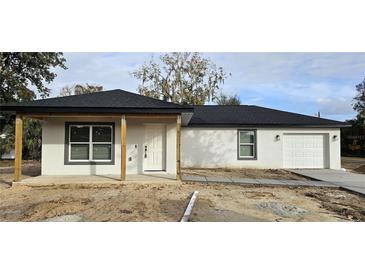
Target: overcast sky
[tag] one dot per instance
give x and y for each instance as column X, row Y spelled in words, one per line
column 298, row 82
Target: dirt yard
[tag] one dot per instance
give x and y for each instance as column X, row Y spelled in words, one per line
column 29, row 169
column 246, row 173
column 354, row 164
column 167, row 202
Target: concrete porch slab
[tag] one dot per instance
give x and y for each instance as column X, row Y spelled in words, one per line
column 48, row 180
column 151, row 177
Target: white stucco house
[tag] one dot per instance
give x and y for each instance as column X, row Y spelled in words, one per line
column 120, row 133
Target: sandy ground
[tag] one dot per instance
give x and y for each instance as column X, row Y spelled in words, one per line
column 167, row 202
column 29, row 169
column 245, row 173
column 354, row 164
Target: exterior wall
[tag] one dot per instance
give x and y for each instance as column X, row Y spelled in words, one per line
column 53, row 146
column 217, row 147
column 200, row 148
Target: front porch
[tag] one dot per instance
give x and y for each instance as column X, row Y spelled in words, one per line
column 130, row 153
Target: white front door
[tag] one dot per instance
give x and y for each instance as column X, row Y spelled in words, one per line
column 154, row 148
column 305, row 151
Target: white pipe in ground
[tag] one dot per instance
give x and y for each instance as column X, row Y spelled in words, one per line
column 189, row 208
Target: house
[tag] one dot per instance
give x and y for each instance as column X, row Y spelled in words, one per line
column 120, row 133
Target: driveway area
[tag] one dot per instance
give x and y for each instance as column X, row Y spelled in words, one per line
column 345, row 179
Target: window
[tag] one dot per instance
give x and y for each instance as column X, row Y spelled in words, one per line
column 246, row 144
column 89, row 143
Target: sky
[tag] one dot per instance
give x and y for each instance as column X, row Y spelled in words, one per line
column 298, row 82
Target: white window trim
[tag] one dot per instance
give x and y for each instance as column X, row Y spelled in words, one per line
column 90, row 143
column 254, row 144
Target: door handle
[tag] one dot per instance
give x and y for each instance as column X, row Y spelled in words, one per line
column 145, row 151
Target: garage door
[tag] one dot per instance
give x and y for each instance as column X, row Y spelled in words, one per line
column 305, row 151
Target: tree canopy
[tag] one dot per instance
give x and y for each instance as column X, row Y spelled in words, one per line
column 352, row 138
column 359, row 104
column 232, row 100
column 24, row 74
column 184, row 78
column 80, row 89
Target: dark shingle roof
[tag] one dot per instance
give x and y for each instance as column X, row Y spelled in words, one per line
column 109, row 101
column 247, row 115
column 121, row 101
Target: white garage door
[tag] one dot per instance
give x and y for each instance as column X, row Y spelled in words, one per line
column 305, row 151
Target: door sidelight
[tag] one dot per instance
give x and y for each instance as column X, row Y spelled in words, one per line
column 145, row 151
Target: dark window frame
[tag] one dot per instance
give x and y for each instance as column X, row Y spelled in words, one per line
column 89, row 162
column 254, row 146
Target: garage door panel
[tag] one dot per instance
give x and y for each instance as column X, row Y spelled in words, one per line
column 305, row 151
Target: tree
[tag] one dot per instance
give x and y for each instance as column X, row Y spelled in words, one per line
column 231, row 100
column 359, row 104
column 80, row 89
column 352, row 138
column 184, row 78
column 22, row 74
column 66, row 91
column 32, row 138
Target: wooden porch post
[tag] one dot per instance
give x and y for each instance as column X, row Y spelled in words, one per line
column 18, row 147
column 123, row 139
column 178, row 146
